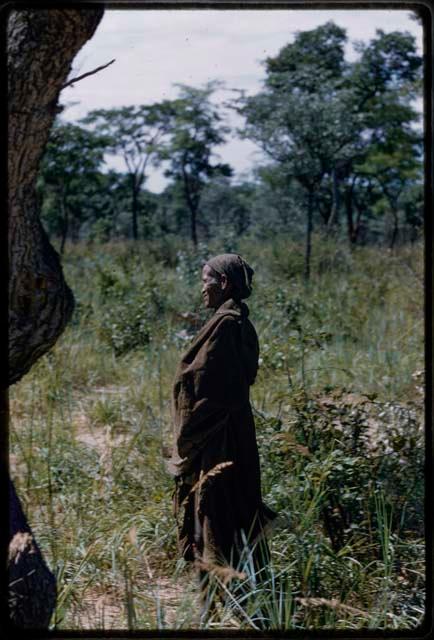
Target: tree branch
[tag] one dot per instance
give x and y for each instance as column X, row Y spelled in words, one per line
column 89, row 73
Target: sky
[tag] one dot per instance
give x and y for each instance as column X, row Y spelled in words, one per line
column 154, row 49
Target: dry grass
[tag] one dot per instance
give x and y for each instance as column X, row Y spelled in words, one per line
column 88, row 430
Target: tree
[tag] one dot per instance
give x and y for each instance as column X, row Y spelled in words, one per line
column 319, row 117
column 108, row 213
column 172, row 214
column 393, row 171
column 321, row 49
column 302, row 120
column 135, row 134
column 276, row 203
column 195, row 130
column 70, row 172
column 386, row 79
column 41, row 45
column 225, row 206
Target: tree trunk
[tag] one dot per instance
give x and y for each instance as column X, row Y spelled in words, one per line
column 309, row 228
column 352, row 235
column 65, row 223
column 358, row 224
column 32, row 586
column 395, row 228
column 41, row 44
column 334, row 214
column 134, row 206
column 192, row 205
column 193, row 225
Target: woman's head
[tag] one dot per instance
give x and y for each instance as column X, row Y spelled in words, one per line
column 226, row 276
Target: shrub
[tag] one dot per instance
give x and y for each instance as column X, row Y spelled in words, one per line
column 349, row 447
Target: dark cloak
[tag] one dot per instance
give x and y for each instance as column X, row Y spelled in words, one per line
column 213, row 425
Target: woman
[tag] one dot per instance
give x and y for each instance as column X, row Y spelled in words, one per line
column 215, row 458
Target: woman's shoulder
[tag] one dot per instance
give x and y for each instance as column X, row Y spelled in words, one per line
column 227, row 323
column 236, row 326
column 230, row 319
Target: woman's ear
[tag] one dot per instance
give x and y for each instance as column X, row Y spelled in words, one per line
column 225, row 284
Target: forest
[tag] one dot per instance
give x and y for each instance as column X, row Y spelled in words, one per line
column 332, row 221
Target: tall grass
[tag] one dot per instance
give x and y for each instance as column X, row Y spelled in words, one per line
column 338, row 408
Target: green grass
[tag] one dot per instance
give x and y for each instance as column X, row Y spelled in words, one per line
column 338, row 407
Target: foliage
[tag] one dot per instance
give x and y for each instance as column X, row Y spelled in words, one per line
column 195, row 130
column 338, row 443
column 135, row 133
column 322, row 47
column 338, row 405
column 129, row 317
column 69, row 178
column 341, row 142
column 323, row 124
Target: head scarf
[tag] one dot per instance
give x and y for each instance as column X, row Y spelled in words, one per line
column 237, row 271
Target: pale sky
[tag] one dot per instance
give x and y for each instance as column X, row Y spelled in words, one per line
column 156, row 48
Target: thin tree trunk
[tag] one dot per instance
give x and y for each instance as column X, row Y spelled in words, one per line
column 65, row 223
column 358, row 224
column 334, row 215
column 192, row 206
column 309, row 228
column 395, row 229
column 134, row 206
column 193, row 225
column 349, row 203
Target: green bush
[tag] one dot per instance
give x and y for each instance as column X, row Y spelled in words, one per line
column 129, row 315
column 347, row 448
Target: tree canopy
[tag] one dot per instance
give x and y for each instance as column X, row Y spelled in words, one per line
column 341, row 144
column 195, row 130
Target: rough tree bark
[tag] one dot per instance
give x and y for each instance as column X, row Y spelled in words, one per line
column 41, row 45
column 32, row 586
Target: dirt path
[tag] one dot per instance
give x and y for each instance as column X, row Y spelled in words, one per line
column 164, row 601
column 170, row 602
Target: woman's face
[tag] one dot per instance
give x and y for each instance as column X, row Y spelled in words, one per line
column 213, row 288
